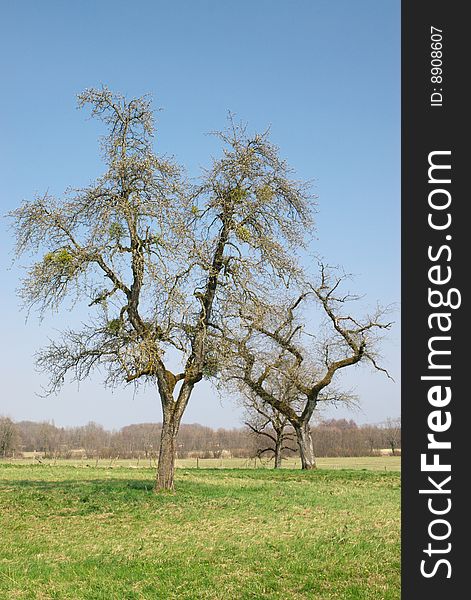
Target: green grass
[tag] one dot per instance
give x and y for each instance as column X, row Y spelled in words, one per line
column 229, row 534
column 376, row 463
column 379, row 463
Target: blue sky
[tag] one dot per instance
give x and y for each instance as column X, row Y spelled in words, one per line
column 325, row 75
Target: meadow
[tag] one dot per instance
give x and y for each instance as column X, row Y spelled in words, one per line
column 71, row 531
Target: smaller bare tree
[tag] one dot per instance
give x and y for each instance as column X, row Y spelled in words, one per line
column 270, row 425
column 269, row 347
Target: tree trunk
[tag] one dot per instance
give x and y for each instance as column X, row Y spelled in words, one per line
column 168, row 451
column 172, row 411
column 278, row 445
column 306, row 450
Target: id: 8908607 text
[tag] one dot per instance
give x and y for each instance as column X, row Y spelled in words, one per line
column 436, row 66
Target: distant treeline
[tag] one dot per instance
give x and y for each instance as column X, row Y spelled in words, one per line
column 334, row 437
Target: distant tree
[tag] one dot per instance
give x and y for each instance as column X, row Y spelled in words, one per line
column 342, row 424
column 269, row 347
column 94, row 439
column 143, row 437
column 156, row 257
column 372, row 436
column 8, row 436
column 48, row 438
column 392, row 434
column 331, row 437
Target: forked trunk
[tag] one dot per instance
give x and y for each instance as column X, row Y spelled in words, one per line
column 306, row 450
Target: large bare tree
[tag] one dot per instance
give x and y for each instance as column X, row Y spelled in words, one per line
column 287, row 357
column 156, row 256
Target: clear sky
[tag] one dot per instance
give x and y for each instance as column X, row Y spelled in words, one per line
column 325, row 74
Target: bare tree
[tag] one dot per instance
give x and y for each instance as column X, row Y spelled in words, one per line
column 48, row 440
column 372, row 438
column 391, row 429
column 270, row 425
column 8, row 436
column 94, row 439
column 269, row 348
column 156, row 257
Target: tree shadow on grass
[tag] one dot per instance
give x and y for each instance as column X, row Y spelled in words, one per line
column 73, row 484
column 185, row 489
column 112, row 498
column 191, row 486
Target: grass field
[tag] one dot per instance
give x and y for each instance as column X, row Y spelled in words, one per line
column 376, row 463
column 99, row 533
